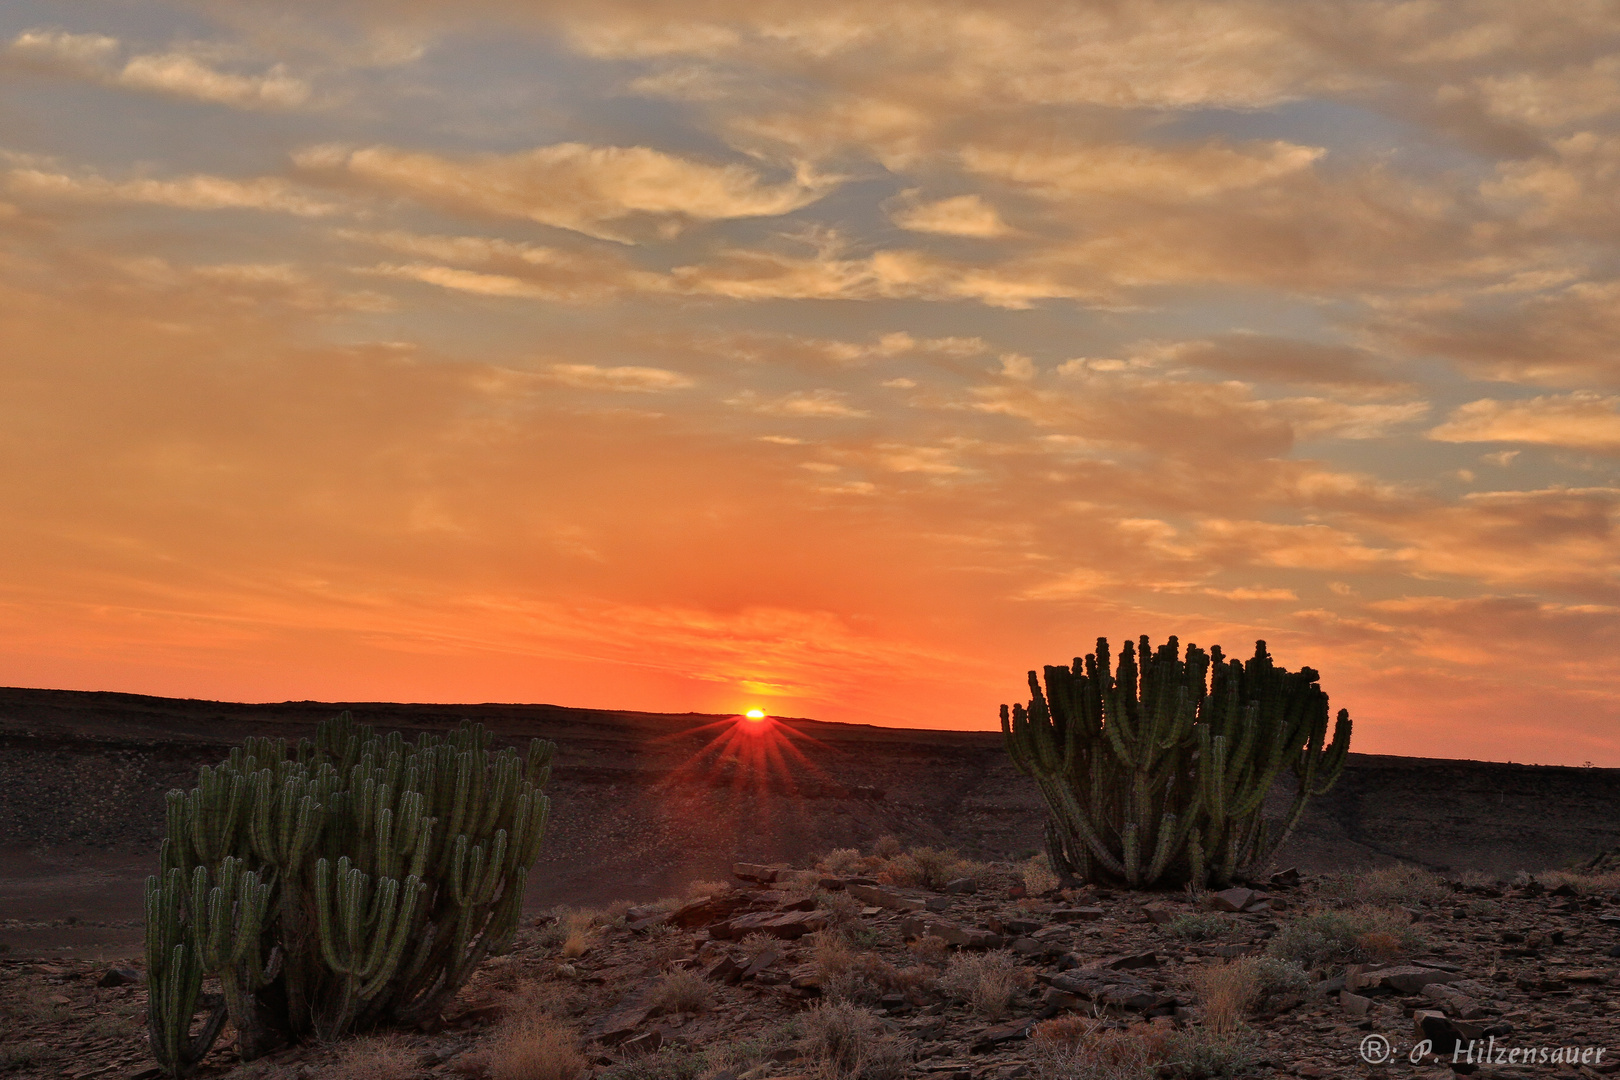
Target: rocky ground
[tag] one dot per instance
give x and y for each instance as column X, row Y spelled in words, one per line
column 988, row 975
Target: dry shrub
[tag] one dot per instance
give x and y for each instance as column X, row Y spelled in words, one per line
column 887, row 846
column 530, row 1044
column 844, row 862
column 987, row 980
column 575, row 945
column 1401, row 884
column 570, row 930
column 375, row 1057
column 681, row 991
column 1228, row 992
column 940, row 867
column 850, row 975
column 1080, row 1048
column 842, row 909
column 697, row 890
column 1198, row 925
column 1363, row 934
column 930, row 949
column 1038, row 876
column 901, row 869
column 847, row 1042
column 1586, row 884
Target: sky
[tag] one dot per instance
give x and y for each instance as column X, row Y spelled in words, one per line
column 844, row 360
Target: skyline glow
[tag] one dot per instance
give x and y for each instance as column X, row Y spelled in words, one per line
column 841, row 362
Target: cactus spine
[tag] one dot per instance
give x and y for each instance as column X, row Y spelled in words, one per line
column 345, row 882
column 1159, row 770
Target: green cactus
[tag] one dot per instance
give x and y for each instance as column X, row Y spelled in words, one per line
column 342, row 883
column 1158, row 771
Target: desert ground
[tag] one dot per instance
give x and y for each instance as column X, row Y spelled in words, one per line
column 1423, row 897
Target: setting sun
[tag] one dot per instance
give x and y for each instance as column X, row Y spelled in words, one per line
column 755, row 714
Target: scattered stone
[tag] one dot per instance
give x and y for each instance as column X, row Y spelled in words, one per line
column 1002, row 924
column 1233, row 899
column 991, row 1037
column 787, row 925
column 1354, row 1005
column 1113, row 989
column 1160, row 914
column 884, row 898
column 754, row 872
column 1285, row 879
column 1406, row 978
column 918, row 926
column 121, row 977
column 1131, row 962
column 962, row 887
column 1079, row 914
column 938, row 903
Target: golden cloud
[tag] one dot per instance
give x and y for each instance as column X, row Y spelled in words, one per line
column 1578, row 421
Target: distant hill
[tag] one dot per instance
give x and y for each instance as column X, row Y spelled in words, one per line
column 644, row 802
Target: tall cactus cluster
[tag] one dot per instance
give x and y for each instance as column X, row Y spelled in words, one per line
column 1158, row 771
column 345, row 882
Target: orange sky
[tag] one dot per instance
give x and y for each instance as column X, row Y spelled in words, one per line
column 846, row 360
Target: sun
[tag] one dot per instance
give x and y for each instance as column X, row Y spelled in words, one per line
column 756, row 715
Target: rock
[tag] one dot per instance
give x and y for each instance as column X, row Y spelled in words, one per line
column 1027, row 946
column 798, row 877
column 1586, row 975
column 787, row 925
column 1013, row 927
column 1018, row 892
column 754, row 872
column 121, row 977
column 805, row 977
column 1614, row 950
column 965, row 886
column 918, row 926
column 704, row 911
column 760, row 963
column 645, row 1043
column 938, row 903
column 992, row 1037
column 621, row 1022
column 831, row 884
column 1111, row 988
column 1131, row 962
column 1079, row 914
column 1354, row 1005
column 1442, row 1032
column 1160, row 914
column 1285, row 879
column 1232, row 899
column 877, row 896
column 1405, row 978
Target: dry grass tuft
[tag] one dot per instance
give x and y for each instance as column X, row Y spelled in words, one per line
column 887, row 846
column 930, row 950
column 1363, row 934
column 681, row 991
column 1038, row 876
column 530, row 1044
column 844, row 862
column 697, row 890
column 1081, row 1048
column 847, row 1042
column 1400, row 884
column 375, row 1057
column 1228, row 992
column 987, row 981
column 1586, row 884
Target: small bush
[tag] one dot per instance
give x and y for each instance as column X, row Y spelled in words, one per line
column 844, row 862
column 1197, row 926
column 1586, row 884
column 930, row 950
column 681, row 991
column 847, row 1042
column 1229, row 992
column 1038, row 876
column 901, row 869
column 669, row 1063
column 1362, row 935
column 887, row 846
column 987, row 981
column 1079, row 1048
column 532, row 1045
column 842, row 909
column 1402, row 884
column 940, row 867
column 377, row 1057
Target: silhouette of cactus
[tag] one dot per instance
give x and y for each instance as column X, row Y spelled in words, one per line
column 349, row 881
column 1159, row 771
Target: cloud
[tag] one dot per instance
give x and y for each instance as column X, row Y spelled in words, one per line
column 1579, row 421
column 589, row 189
column 198, row 192
column 1264, row 358
column 812, row 404
column 175, row 73
column 963, row 215
column 643, row 380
